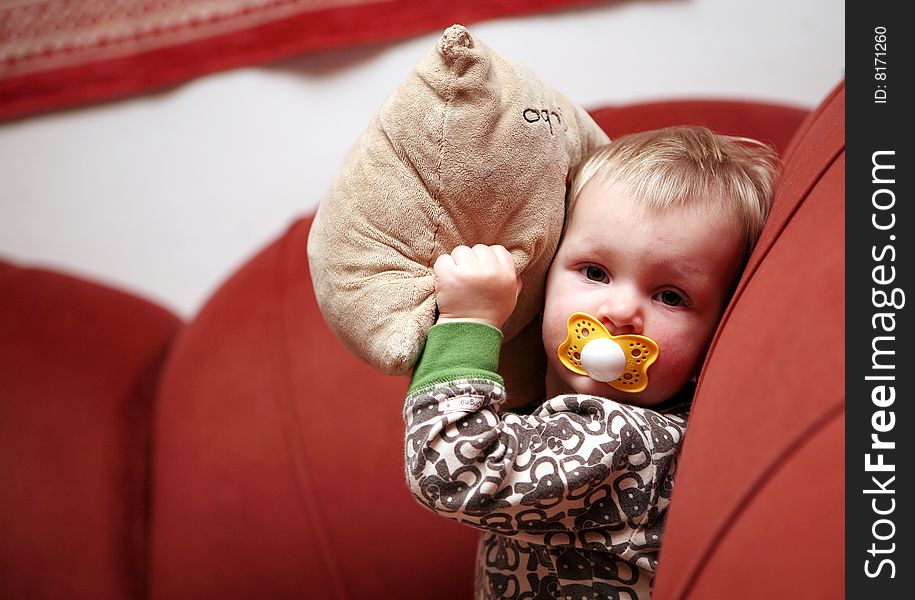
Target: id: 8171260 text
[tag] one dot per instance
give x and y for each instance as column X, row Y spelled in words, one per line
column 880, row 72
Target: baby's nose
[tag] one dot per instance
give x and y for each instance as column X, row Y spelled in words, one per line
column 621, row 313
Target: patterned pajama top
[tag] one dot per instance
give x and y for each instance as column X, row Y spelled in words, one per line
column 571, row 499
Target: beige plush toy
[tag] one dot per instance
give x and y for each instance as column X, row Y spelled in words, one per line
column 471, row 148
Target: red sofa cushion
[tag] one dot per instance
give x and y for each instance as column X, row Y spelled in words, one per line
column 758, row 510
column 78, row 369
column 279, row 458
column 771, row 123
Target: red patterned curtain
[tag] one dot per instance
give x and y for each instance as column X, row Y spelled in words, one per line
column 60, row 53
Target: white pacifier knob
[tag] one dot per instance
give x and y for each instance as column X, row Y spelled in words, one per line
column 603, row 359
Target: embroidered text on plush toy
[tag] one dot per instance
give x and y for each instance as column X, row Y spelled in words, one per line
column 532, row 115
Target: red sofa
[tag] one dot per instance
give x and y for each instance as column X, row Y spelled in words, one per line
column 145, row 457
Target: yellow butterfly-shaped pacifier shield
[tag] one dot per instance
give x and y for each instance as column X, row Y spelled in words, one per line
column 640, row 352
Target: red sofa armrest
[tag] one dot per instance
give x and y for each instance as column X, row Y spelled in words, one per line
column 79, row 364
column 758, row 508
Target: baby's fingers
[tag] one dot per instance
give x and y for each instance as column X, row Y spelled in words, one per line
column 443, row 264
column 504, row 256
column 463, row 255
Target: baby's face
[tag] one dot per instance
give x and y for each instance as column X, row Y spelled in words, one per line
column 666, row 276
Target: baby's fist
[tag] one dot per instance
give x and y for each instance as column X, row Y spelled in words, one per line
column 476, row 284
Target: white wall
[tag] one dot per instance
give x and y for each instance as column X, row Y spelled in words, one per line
column 166, row 194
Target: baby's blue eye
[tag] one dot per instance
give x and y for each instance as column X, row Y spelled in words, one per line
column 671, row 298
column 595, row 274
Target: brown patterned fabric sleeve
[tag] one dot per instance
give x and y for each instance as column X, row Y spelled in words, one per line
column 582, row 471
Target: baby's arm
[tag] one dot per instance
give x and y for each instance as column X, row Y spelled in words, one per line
column 579, row 464
column 582, row 469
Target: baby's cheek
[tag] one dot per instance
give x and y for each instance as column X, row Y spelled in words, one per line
column 677, row 362
column 553, row 336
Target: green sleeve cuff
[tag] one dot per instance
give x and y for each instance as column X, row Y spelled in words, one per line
column 458, row 350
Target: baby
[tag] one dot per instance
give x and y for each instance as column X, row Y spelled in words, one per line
column 572, row 497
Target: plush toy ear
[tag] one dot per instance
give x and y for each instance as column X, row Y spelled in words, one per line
column 471, row 148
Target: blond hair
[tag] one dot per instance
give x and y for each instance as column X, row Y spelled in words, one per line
column 733, row 177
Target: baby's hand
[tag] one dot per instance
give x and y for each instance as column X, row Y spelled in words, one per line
column 476, row 284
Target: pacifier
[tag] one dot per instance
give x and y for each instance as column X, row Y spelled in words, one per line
column 620, row 361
